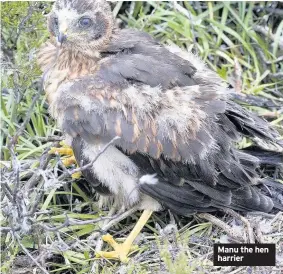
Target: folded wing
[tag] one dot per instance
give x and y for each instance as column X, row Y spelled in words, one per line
column 172, row 121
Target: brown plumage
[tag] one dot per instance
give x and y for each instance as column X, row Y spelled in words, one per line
column 174, row 116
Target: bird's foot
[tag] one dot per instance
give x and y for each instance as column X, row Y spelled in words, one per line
column 63, row 150
column 121, row 251
column 68, row 159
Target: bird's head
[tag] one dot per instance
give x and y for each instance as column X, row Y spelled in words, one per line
column 83, row 25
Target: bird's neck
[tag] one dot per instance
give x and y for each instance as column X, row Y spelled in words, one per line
column 63, row 65
column 51, row 57
column 76, row 61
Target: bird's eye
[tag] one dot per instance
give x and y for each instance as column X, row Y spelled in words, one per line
column 85, row 22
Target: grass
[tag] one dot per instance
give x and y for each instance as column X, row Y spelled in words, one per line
column 241, row 41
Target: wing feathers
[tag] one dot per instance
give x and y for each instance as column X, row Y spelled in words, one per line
column 181, row 134
column 172, row 121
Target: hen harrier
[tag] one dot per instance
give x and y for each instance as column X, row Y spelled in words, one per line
column 176, row 122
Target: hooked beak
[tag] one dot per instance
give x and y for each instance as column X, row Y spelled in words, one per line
column 61, row 38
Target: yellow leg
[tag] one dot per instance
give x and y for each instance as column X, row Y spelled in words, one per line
column 76, row 175
column 68, row 161
column 63, row 150
column 121, row 251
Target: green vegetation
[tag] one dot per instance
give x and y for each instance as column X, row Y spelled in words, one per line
column 242, row 41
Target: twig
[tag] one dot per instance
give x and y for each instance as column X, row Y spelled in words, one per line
column 70, row 221
column 95, row 158
column 276, row 11
column 278, row 216
column 237, row 270
column 245, row 221
column 278, row 234
column 50, row 139
column 39, row 213
column 259, row 235
column 231, row 232
column 267, row 33
column 278, row 75
column 7, row 190
column 16, row 171
column 29, row 255
column 278, row 60
column 263, row 214
column 68, row 172
column 44, row 160
column 120, row 218
column 21, row 25
column 36, row 202
column 5, row 229
column 264, row 59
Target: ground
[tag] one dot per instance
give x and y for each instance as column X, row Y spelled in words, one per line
column 48, row 220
